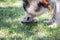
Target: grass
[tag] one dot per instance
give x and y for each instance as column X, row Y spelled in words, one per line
column 12, row 29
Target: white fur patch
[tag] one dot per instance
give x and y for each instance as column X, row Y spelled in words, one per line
column 58, row 6
column 54, row 25
column 32, row 7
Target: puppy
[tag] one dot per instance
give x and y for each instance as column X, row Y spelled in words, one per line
column 34, row 8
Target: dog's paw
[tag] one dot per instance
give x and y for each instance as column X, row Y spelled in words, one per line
column 54, row 25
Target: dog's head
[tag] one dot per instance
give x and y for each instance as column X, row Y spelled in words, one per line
column 35, row 7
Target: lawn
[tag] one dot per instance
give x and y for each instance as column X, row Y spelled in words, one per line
column 11, row 12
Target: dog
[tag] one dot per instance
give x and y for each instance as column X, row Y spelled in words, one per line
column 34, row 8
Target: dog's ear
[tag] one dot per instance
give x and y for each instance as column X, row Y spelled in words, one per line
column 25, row 4
column 50, row 8
column 46, row 2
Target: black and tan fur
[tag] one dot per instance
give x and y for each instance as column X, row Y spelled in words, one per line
column 33, row 9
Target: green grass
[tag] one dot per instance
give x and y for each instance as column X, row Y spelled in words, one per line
column 12, row 29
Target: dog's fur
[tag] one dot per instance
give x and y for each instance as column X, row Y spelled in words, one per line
column 33, row 9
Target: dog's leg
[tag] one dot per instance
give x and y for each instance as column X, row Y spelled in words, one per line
column 56, row 17
column 53, row 16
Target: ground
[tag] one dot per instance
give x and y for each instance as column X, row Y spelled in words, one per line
column 12, row 29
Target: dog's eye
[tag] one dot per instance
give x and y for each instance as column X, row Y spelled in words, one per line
column 42, row 4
